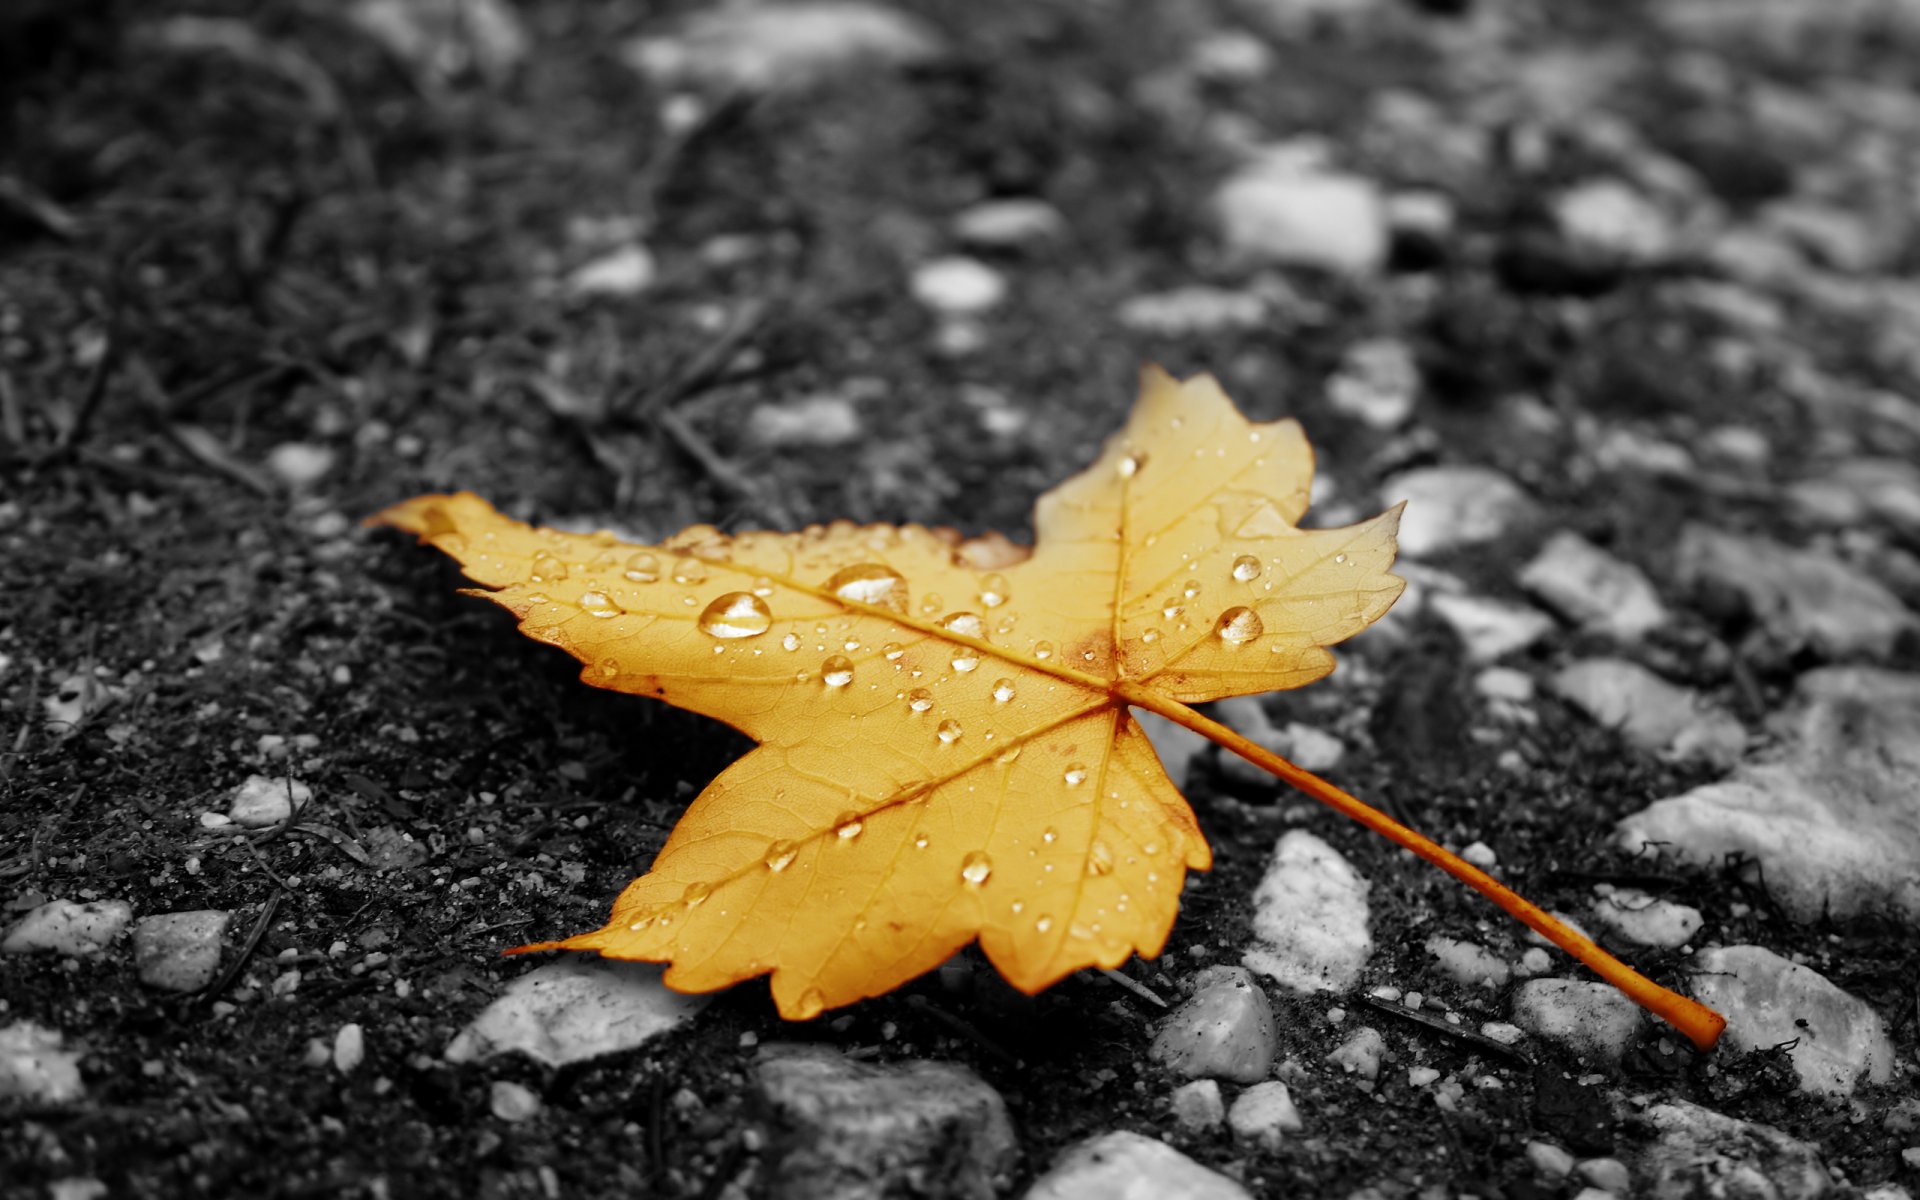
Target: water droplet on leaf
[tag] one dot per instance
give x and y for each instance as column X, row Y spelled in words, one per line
column 736, row 615
column 848, row 826
column 643, row 568
column 1076, row 774
column 1246, row 568
column 837, row 671
column 1003, row 690
column 599, row 604
column 689, row 571
column 873, row 584
column 781, row 854
column 975, row 867
column 1238, row 626
column 919, row 700
column 949, row 731
column 993, row 591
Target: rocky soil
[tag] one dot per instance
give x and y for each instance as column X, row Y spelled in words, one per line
column 1620, row 297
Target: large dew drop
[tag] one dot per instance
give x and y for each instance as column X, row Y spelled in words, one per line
column 949, row 732
column 689, row 571
column 848, row 826
column 643, row 568
column 976, row 867
column 736, row 615
column 993, row 591
column 965, row 624
column 547, row 569
column 599, row 604
column 873, row 584
column 1246, row 568
column 780, row 855
column 919, row 700
column 1238, row 626
column 1076, row 774
column 1002, row 690
column 837, row 671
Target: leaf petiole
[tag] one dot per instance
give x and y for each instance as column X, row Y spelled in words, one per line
column 1701, row 1025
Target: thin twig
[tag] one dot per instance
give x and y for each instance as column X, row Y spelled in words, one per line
column 1135, row 986
column 1479, row 1041
column 212, row 991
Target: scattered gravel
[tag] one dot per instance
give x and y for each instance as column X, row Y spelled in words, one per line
column 1454, row 506
column 1310, row 918
column 1263, row 1116
column 179, row 952
column 1590, row 1019
column 575, row 1009
column 1224, row 1031
column 75, row 930
column 1127, row 1166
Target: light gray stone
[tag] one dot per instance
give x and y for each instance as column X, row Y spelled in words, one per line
column 513, row 1102
column 1197, row 1105
column 1827, row 814
column 1283, row 213
column 1128, row 1166
column 1859, row 491
column 1696, row 1152
column 1592, row 1019
column 1548, row 1160
column 1808, row 598
column 1310, row 918
column 1264, row 1115
column 620, row 272
column 1490, row 629
column 1449, row 507
column 1468, row 962
column 1224, row 1030
column 180, row 951
column 263, row 801
column 1195, row 309
column 37, row 1067
column 783, row 47
column 1009, row 223
column 1605, row 216
column 848, row 1130
column 1593, row 589
column 1633, row 916
column 75, row 930
column 1607, row 1174
column 1361, row 1054
column 816, row 421
column 573, row 1010
column 958, row 286
column 1650, row 712
column 1839, row 1042
column 1377, row 383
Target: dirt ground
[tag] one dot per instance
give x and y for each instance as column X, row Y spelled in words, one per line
column 263, row 276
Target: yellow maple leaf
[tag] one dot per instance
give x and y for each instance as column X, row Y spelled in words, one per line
column 946, row 748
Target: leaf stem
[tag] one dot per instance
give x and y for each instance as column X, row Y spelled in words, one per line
column 1701, row 1025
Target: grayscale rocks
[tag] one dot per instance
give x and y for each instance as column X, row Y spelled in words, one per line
column 1127, row 1166
column 1607, row 217
column 512, row 1102
column 1361, row 1054
column 1377, row 383
column 1224, row 1030
column 1860, row 491
column 263, row 801
column 1310, row 918
column 817, row 421
column 1468, row 962
column 1490, row 629
column 1808, row 598
column 958, row 286
column 573, row 1010
column 848, row 1130
column 1632, row 916
column 179, row 952
column 1288, row 212
column 349, row 1048
column 1651, row 713
column 75, row 930
column 1193, row 310
column 1011, row 223
column 1593, row 589
column 1548, row 1160
column 1827, row 815
column 1591, row 1019
column 1696, row 1152
column 1450, row 507
column 1197, row 1105
column 622, row 271
column 1264, row 1115
column 36, row 1065
column 1837, row 1042
column 781, row 48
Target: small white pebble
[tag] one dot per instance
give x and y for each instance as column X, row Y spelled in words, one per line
column 349, row 1048
column 513, row 1102
column 1421, row 1076
column 1481, row 855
